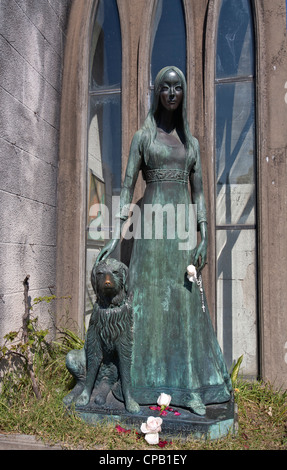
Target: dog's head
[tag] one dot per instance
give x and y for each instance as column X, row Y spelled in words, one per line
column 110, row 281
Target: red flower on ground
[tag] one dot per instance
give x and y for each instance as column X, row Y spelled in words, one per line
column 120, row 429
column 164, row 443
column 164, row 412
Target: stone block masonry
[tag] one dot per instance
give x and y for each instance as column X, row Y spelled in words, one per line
column 32, row 41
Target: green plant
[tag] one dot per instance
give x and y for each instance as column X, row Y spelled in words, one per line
column 15, row 345
column 66, row 341
column 235, row 371
column 262, row 410
column 47, row 420
column 27, row 345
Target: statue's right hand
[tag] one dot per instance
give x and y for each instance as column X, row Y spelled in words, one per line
column 107, row 250
column 83, row 399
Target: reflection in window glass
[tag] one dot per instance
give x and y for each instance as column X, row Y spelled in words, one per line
column 236, row 297
column 104, row 135
column 105, row 139
column 169, row 41
column 235, row 171
column 235, row 55
column 235, row 144
column 106, row 68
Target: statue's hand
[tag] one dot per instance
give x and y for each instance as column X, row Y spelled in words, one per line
column 201, row 255
column 107, row 250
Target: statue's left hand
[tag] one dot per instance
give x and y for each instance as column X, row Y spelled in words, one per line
column 201, row 252
column 201, row 255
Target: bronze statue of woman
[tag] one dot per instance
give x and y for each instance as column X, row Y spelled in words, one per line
column 175, row 349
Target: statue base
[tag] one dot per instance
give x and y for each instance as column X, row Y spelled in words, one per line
column 219, row 420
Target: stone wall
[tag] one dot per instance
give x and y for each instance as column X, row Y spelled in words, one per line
column 32, row 43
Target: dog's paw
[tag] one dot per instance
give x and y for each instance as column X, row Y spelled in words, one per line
column 100, row 400
column 83, row 399
column 71, row 397
column 68, row 399
column 102, row 390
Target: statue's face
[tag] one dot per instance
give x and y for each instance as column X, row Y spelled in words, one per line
column 171, row 91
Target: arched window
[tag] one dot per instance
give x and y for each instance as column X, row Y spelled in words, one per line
column 235, row 179
column 169, row 37
column 104, row 132
column 168, row 41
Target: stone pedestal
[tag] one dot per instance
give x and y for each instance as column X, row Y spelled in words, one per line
column 219, row 421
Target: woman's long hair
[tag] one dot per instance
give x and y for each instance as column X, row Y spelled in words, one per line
column 149, row 128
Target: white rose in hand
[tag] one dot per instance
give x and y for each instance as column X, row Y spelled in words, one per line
column 191, row 273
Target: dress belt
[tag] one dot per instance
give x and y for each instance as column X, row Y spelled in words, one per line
column 158, row 175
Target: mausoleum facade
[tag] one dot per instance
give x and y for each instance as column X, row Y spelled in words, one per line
column 76, row 82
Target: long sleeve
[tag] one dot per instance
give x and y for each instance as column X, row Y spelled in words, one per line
column 197, row 188
column 132, row 171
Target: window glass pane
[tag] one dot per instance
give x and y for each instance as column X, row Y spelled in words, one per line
column 169, row 41
column 235, row 173
column 104, row 135
column 104, row 145
column 106, row 47
column 104, row 178
column 235, row 55
column 237, row 297
column 235, row 147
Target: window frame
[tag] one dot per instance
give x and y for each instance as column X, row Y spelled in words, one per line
column 237, row 228
column 260, row 145
column 73, row 152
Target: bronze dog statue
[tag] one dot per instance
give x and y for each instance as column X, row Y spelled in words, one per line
column 106, row 356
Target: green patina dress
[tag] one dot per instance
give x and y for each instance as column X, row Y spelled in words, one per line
column 175, row 349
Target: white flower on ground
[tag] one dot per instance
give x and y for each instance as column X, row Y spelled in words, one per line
column 269, row 412
column 152, row 438
column 152, row 426
column 164, row 400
